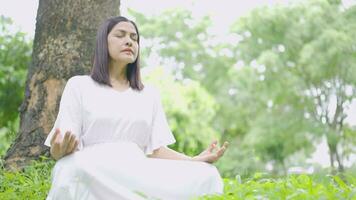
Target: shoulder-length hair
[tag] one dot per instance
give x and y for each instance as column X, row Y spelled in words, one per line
column 100, row 68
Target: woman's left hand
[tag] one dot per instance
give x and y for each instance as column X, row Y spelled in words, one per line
column 209, row 155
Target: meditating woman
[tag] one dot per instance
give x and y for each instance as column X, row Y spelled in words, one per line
column 111, row 134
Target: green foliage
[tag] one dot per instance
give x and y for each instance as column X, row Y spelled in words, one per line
column 190, row 110
column 297, row 60
column 168, row 34
column 15, row 52
column 291, row 187
column 273, row 81
column 15, row 55
column 176, row 36
column 32, row 183
column 7, row 135
column 239, row 161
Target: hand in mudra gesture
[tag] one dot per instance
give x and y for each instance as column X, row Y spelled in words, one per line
column 63, row 146
column 212, row 153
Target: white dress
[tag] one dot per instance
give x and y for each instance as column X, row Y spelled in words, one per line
column 117, row 130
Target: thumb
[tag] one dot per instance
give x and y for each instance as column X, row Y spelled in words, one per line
column 59, row 137
column 55, row 136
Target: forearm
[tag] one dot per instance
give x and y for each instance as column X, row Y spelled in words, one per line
column 167, row 153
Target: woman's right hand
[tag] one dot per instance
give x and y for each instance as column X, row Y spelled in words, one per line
column 60, row 146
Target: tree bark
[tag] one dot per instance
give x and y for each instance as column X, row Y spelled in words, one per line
column 63, row 47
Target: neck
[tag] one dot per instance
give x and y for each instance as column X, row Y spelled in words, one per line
column 117, row 72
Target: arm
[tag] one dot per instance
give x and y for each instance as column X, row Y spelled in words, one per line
column 167, row 153
column 62, row 138
column 208, row 155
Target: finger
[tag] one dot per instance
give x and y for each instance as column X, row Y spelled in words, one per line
column 66, row 137
column 74, row 146
column 70, row 144
column 76, row 143
column 212, row 146
column 64, row 143
column 59, row 138
column 221, row 151
column 53, row 139
column 71, row 139
column 225, row 145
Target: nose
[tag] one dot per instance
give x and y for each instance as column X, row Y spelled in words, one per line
column 128, row 42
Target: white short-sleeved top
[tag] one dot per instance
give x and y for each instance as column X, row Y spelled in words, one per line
column 97, row 113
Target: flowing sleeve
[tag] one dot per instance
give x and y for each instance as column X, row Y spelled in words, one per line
column 160, row 134
column 69, row 117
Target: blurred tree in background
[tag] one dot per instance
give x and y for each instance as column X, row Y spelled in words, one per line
column 284, row 81
column 304, row 56
column 15, row 56
column 189, row 109
column 177, row 38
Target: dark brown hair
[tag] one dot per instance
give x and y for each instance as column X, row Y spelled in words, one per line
column 100, row 69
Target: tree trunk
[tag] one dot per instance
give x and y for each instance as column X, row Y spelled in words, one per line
column 331, row 155
column 339, row 161
column 63, row 47
column 335, row 157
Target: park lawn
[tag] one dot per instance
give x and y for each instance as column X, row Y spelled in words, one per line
column 34, row 182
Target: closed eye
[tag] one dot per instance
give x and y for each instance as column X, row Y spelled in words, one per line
column 122, row 33
column 134, row 37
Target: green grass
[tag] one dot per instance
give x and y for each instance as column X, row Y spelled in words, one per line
column 31, row 183
column 34, row 182
column 305, row 187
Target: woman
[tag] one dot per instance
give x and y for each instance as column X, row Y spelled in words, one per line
column 116, row 133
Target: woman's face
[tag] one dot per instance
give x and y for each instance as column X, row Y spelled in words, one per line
column 122, row 43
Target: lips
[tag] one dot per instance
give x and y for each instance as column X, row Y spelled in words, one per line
column 127, row 51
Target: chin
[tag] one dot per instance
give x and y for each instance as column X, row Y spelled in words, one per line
column 130, row 61
column 126, row 60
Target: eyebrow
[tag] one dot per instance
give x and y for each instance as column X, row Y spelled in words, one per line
column 121, row 30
